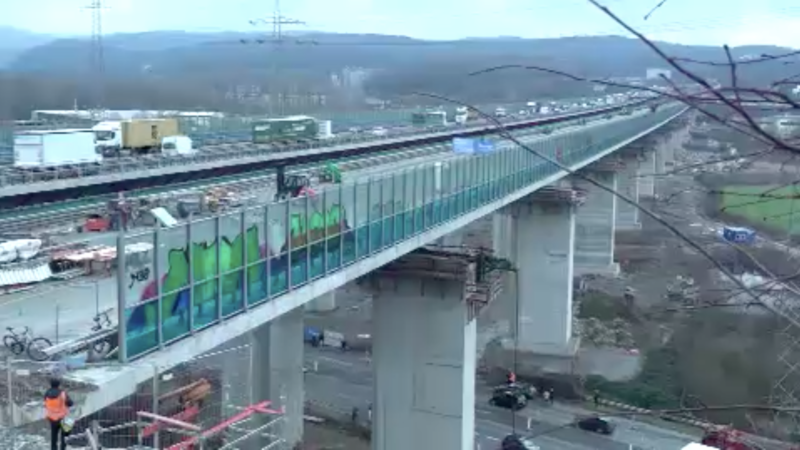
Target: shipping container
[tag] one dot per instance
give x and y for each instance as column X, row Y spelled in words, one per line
column 140, row 134
column 294, row 128
column 35, row 149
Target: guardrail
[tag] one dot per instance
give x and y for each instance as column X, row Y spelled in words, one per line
column 247, row 154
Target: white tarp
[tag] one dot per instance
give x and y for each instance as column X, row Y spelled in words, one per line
column 25, row 273
column 20, row 249
column 163, row 216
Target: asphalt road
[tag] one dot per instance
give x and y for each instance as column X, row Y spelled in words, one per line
column 344, row 381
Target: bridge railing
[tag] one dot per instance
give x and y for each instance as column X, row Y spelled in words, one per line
column 208, row 270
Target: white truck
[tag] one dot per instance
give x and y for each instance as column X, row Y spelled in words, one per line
column 54, row 148
column 462, row 115
column 177, row 146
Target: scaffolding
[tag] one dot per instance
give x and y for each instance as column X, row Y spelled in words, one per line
column 197, row 438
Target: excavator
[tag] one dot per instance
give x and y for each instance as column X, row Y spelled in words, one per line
column 330, row 174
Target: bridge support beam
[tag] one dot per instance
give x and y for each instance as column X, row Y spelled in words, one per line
column 325, row 302
column 628, row 185
column 424, row 354
column 545, row 241
column 504, row 234
column 595, row 225
column 277, row 373
column 647, row 174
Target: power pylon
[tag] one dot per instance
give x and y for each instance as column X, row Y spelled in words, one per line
column 278, row 41
column 98, row 66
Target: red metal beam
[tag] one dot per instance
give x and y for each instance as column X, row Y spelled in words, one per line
column 247, row 412
column 185, row 415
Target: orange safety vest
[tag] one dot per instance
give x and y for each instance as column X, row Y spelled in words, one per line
column 56, row 408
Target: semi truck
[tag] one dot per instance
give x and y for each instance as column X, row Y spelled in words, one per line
column 55, row 148
column 285, row 130
column 429, row 118
column 134, row 135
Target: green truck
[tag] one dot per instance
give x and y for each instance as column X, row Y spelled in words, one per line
column 429, row 118
column 285, row 130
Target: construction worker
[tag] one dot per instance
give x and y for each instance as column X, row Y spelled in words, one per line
column 511, row 377
column 56, row 406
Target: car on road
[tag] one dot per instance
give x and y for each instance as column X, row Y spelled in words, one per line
column 514, row 442
column 596, row 425
column 508, row 397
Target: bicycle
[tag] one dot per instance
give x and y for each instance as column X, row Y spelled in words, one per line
column 102, row 321
column 21, row 342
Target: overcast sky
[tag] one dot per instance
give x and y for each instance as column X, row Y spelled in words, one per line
column 713, row 22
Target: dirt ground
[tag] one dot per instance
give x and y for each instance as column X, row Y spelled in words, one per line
column 328, row 436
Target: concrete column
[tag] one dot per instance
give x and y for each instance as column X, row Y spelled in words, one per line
column 505, row 246
column 325, row 302
column 454, row 239
column 595, row 226
column 661, row 164
column 424, row 363
column 647, row 172
column 628, row 185
column 545, row 241
column 277, row 373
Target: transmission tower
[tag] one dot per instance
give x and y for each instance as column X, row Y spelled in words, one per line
column 277, row 40
column 97, row 60
column 786, row 389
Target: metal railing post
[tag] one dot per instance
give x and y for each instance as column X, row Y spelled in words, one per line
column 121, row 299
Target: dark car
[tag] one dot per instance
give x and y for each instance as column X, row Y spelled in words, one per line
column 508, row 397
column 596, row 425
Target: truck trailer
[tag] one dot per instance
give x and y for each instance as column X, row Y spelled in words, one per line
column 55, row 148
column 134, row 135
column 285, row 130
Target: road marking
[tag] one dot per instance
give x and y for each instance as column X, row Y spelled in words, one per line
column 335, row 361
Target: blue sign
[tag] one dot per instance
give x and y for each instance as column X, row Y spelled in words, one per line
column 467, row 146
column 463, row 146
column 738, row 235
column 484, row 146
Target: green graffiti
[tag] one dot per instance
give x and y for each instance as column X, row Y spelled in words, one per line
column 304, row 230
column 204, row 270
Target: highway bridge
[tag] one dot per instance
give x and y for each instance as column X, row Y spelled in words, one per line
column 250, row 272
column 19, row 187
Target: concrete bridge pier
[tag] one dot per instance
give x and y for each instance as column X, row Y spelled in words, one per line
column 628, row 185
column 504, row 246
column 277, row 375
column 423, row 355
column 647, row 173
column 595, row 224
column 545, row 238
column 325, row 302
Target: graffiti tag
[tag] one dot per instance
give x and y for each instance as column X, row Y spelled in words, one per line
column 316, row 226
column 139, row 276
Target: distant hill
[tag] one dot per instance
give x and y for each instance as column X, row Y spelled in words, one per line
column 14, row 41
column 177, row 69
column 168, row 53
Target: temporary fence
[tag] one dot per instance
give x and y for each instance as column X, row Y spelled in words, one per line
column 209, row 392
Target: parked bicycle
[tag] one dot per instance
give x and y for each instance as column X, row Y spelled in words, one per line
column 19, row 341
column 102, row 322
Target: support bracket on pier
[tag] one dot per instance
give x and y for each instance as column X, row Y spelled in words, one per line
column 479, row 270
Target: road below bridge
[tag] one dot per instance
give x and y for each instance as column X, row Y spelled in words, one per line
column 343, row 381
